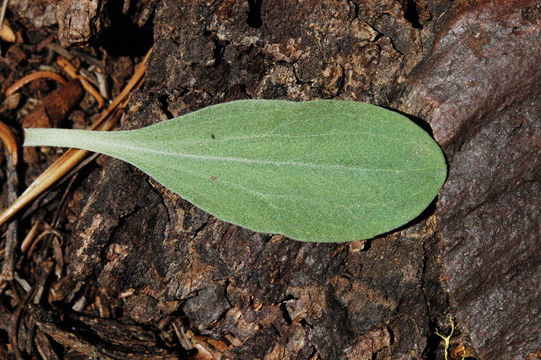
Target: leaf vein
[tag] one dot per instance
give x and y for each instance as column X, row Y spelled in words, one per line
column 263, row 162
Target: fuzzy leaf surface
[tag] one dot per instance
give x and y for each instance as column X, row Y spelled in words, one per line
column 322, row 170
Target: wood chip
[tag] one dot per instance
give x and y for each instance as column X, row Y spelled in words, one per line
column 7, row 34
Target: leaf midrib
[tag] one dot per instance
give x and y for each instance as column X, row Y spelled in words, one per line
column 255, row 161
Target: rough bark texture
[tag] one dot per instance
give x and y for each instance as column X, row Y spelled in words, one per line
column 481, row 84
column 470, row 69
column 79, row 20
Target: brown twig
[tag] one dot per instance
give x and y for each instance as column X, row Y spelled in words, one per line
column 31, row 240
column 23, row 306
column 12, row 231
column 72, row 72
column 34, row 76
column 8, row 138
column 30, row 237
column 48, row 231
column 15, row 323
column 72, row 156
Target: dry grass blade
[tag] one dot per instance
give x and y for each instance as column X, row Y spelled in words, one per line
column 30, row 236
column 72, row 72
column 72, row 157
column 7, row 137
column 34, row 76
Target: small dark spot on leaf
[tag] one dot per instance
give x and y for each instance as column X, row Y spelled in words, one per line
column 212, row 136
column 213, row 178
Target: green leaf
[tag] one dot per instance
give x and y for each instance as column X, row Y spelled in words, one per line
column 322, row 170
